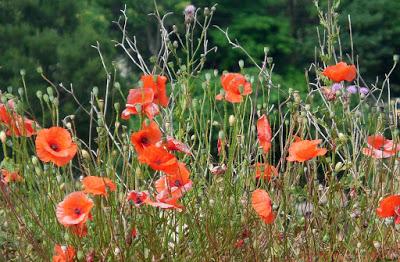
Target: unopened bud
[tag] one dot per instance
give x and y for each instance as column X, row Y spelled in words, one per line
column 85, row 154
column 221, row 135
column 338, row 167
column 241, row 64
column 232, row 120
column 3, row 137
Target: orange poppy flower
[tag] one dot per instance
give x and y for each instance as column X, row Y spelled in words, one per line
column 175, row 145
column 15, row 124
column 140, row 98
column 389, row 207
column 98, row 185
column 158, row 158
column 158, row 85
column 265, row 171
column 63, row 254
column 380, row 147
column 55, row 145
column 74, row 209
column 303, row 150
column 220, row 145
column 8, row 176
column 340, row 72
column 174, row 184
column 148, row 135
column 262, row 204
column 235, row 86
column 264, row 133
column 138, row 198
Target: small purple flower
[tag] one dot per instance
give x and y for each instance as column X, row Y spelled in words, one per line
column 364, row 90
column 189, row 13
column 352, row 89
column 336, row 87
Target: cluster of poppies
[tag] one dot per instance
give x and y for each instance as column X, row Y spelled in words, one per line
column 155, row 149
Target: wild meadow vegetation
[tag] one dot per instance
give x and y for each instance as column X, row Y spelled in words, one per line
column 204, row 165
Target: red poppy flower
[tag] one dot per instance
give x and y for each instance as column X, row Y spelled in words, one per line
column 175, row 145
column 303, row 150
column 15, row 124
column 176, row 183
column 138, row 198
column 158, row 85
column 340, row 72
column 55, row 145
column 8, row 176
column 262, row 204
column 148, row 135
column 63, row 254
column 235, row 86
column 380, row 147
column 389, row 207
column 74, row 209
column 265, row 171
column 98, row 185
column 140, row 98
column 158, row 158
column 264, row 133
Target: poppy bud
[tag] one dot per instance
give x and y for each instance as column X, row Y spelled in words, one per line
column 39, row 69
column 241, row 64
column 117, row 85
column 216, row 72
column 68, row 125
column 20, row 91
column 46, row 98
column 80, row 255
column 85, row 154
column 138, row 108
column 55, row 101
column 22, row 72
column 342, row 137
column 232, row 120
column 221, row 135
column 175, row 28
column 338, row 167
column 37, row 170
column 208, row 76
column 117, row 251
column 396, row 58
column 325, row 238
column 3, row 137
column 206, row 11
column 193, row 137
column 95, row 91
column 100, row 103
column 377, row 245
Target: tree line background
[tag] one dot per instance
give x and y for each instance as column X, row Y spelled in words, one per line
column 56, row 37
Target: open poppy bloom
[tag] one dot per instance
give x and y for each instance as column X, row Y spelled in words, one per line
column 175, row 183
column 235, row 86
column 8, row 176
column 262, row 204
column 15, row 124
column 55, row 145
column 140, row 100
column 98, row 185
column 303, row 150
column 389, row 207
column 265, row 171
column 264, row 133
column 340, row 72
column 148, row 135
column 175, row 145
column 63, row 254
column 158, row 84
column 74, row 209
column 158, row 159
column 138, row 198
column 380, row 147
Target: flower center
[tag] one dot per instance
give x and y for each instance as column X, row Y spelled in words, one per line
column 77, row 211
column 177, row 183
column 138, row 200
column 144, row 140
column 54, row 147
